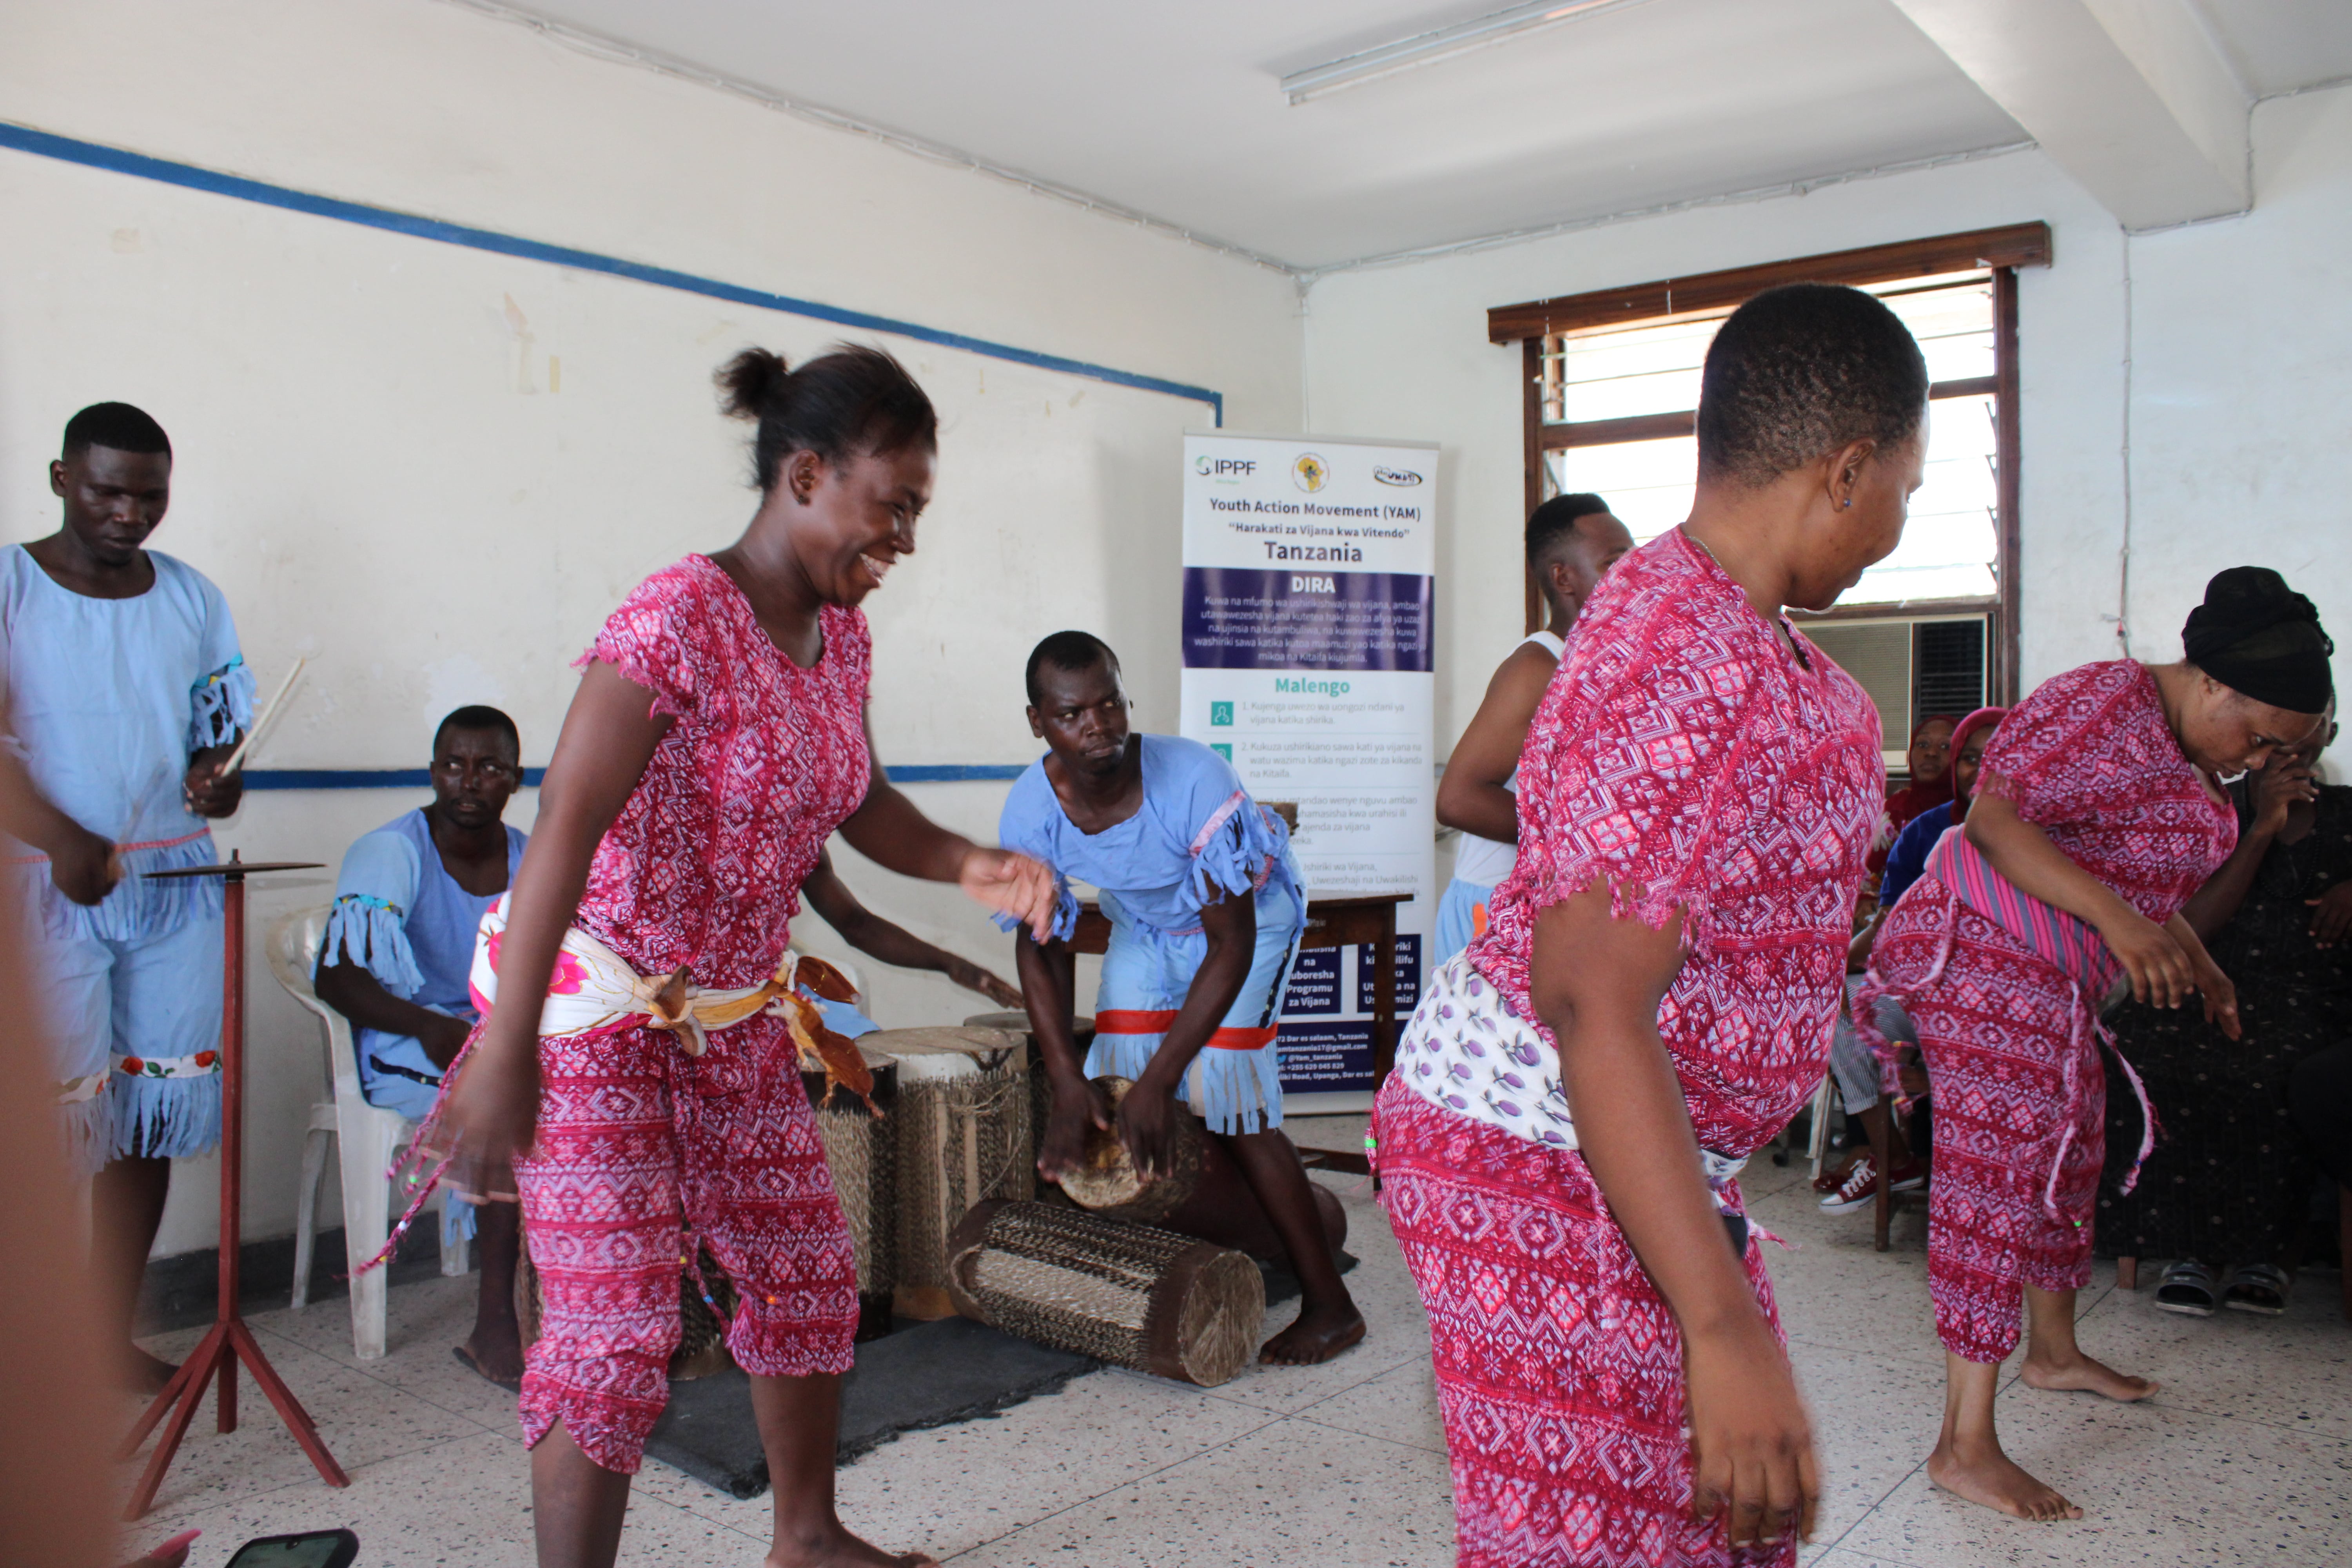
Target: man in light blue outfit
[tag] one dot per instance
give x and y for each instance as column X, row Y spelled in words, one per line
column 1206, row 906
column 126, row 692
column 397, row 957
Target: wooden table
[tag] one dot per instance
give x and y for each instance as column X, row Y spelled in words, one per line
column 1345, row 921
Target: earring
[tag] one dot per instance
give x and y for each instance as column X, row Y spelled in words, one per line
column 1849, row 503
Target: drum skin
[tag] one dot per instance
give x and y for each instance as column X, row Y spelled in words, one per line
column 1108, row 1182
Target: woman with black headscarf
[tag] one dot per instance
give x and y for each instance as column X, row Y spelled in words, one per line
column 2098, row 814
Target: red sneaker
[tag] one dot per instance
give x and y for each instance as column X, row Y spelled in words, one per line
column 1860, row 1185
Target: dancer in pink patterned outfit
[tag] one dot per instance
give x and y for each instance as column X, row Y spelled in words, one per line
column 718, row 738
column 1654, row 998
column 2096, row 813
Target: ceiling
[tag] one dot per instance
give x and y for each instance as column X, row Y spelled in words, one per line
column 1174, row 111
column 2277, row 46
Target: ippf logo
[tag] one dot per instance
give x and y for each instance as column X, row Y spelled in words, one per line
column 1220, row 467
column 1388, row 476
column 1309, row 473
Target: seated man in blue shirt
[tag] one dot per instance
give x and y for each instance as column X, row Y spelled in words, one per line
column 398, row 948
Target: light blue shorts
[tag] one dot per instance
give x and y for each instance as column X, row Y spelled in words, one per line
column 396, row 1075
column 1236, row 1083
column 147, row 1015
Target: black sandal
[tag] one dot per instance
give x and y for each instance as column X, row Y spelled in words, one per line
column 2257, row 1287
column 2187, row 1288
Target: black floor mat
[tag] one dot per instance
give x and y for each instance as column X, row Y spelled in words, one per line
column 928, row 1374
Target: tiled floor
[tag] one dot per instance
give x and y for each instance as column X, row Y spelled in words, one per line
column 2246, row 1457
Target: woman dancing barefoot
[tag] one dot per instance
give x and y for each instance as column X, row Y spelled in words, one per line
column 2096, row 815
column 717, row 740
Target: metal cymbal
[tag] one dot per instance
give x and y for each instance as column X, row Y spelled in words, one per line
column 237, row 867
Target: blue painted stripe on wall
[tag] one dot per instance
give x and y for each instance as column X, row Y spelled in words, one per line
column 958, row 773
column 96, row 155
column 418, row 778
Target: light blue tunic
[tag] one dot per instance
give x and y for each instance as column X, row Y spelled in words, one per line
column 399, row 915
column 1197, row 832
column 108, row 702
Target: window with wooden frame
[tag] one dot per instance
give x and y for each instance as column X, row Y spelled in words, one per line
column 1610, row 407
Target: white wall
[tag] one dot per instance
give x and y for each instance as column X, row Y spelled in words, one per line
column 2240, row 377
column 2214, row 356
column 382, row 472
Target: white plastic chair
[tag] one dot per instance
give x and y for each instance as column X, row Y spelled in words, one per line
column 368, row 1138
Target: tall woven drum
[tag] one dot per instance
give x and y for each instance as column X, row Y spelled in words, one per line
column 1041, row 1086
column 863, row 1154
column 1142, row 1298
column 962, row 1135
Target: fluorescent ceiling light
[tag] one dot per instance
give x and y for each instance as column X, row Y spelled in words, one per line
column 1428, row 48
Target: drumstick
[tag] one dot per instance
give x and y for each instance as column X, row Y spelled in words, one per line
column 236, row 758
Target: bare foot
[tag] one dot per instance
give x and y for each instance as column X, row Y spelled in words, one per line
column 492, row 1359
column 1318, row 1335
column 836, row 1548
column 145, row 1374
column 1991, row 1477
column 2084, row 1375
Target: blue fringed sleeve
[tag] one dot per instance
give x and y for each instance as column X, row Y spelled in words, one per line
column 369, row 924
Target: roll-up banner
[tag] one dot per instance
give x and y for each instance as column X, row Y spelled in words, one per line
column 1308, row 659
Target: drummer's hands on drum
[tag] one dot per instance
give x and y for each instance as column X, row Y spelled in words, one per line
column 1079, row 1108
column 1011, row 884
column 1147, row 1126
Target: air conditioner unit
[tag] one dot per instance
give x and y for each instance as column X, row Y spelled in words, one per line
column 1911, row 668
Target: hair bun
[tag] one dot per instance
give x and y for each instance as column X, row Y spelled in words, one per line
column 752, row 381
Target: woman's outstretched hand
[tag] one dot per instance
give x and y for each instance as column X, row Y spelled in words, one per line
column 1751, row 1439
column 491, row 1116
column 1010, row 884
column 2220, row 994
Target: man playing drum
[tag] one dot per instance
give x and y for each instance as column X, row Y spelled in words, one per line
column 1206, row 906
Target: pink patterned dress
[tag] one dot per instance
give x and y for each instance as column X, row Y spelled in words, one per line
column 2089, row 760
column 1686, row 755
column 702, row 868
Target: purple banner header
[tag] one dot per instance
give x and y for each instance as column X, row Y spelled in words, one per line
column 1311, row 619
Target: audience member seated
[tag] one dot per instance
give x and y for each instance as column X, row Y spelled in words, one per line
column 1929, row 760
column 1854, row 1063
column 398, row 949
column 870, row 933
column 2225, row 1190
